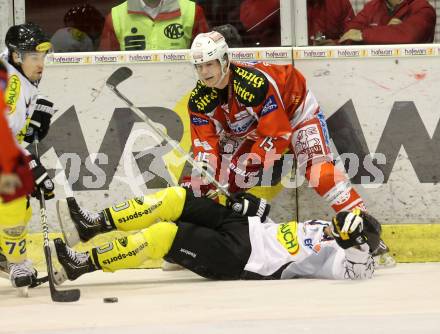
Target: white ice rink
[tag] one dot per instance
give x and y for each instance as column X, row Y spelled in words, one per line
column 404, row 299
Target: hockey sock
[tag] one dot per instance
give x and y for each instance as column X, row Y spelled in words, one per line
column 334, row 186
column 130, row 252
column 141, row 212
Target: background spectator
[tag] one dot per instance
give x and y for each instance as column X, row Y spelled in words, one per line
column 261, row 22
column 82, row 28
column 392, row 22
column 152, row 25
column 327, row 20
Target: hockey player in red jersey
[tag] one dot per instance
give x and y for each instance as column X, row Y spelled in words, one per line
column 245, row 116
column 260, row 111
column 15, row 176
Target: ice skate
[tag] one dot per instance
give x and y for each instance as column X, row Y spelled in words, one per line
column 74, row 263
column 78, row 224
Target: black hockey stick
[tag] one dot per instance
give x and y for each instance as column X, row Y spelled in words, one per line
column 39, row 281
column 56, row 295
column 122, row 74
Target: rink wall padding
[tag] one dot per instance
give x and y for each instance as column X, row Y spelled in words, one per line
column 381, row 105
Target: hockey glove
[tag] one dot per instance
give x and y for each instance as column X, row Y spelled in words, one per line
column 348, row 229
column 40, row 120
column 42, row 179
column 249, row 205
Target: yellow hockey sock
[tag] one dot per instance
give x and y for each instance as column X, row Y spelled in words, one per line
column 130, row 252
column 141, row 212
column 14, row 218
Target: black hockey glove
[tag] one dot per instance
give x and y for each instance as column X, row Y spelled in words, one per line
column 40, row 120
column 348, row 229
column 249, row 205
column 42, row 179
column 355, row 228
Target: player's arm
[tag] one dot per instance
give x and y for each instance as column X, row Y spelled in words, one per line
column 359, row 235
column 273, row 130
column 15, row 176
column 205, row 125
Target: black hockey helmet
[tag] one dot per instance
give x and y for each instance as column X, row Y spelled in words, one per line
column 371, row 228
column 27, row 37
column 86, row 18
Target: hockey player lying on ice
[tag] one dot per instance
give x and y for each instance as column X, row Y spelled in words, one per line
column 234, row 242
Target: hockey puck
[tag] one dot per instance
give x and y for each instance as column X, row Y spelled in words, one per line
column 110, row 300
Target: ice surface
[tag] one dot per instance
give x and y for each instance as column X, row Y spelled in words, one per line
column 404, row 299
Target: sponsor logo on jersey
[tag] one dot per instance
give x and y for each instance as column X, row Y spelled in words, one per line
column 308, row 243
column 241, row 115
column 269, row 105
column 288, row 237
column 14, row 232
column 204, row 144
column 253, row 79
column 324, row 128
column 198, row 121
column 205, row 100
column 13, row 92
column 243, row 92
column 343, row 197
column 173, row 31
column 242, row 126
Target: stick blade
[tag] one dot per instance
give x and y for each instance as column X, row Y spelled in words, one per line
column 121, row 74
column 65, row 296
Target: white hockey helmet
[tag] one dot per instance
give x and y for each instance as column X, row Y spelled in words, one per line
column 209, row 46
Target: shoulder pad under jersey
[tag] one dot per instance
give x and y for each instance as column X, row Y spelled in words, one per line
column 203, row 99
column 250, row 85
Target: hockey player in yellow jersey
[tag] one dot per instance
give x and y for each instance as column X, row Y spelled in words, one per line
column 238, row 241
column 28, row 115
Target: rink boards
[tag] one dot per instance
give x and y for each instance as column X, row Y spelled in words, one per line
column 382, row 111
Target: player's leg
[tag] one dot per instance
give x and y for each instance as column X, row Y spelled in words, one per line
column 214, row 254
column 311, row 145
column 207, row 252
column 310, row 141
column 14, row 218
column 123, row 253
column 78, row 224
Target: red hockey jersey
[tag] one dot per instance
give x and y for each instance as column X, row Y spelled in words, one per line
column 259, row 104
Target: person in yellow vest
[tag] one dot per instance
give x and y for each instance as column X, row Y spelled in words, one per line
column 152, row 25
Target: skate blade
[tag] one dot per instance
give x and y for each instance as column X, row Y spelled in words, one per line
column 71, row 236
column 23, row 291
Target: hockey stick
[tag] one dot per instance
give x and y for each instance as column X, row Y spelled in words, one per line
column 122, row 74
column 56, row 295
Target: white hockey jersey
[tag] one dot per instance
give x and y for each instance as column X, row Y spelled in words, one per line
column 295, row 250
column 20, row 97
